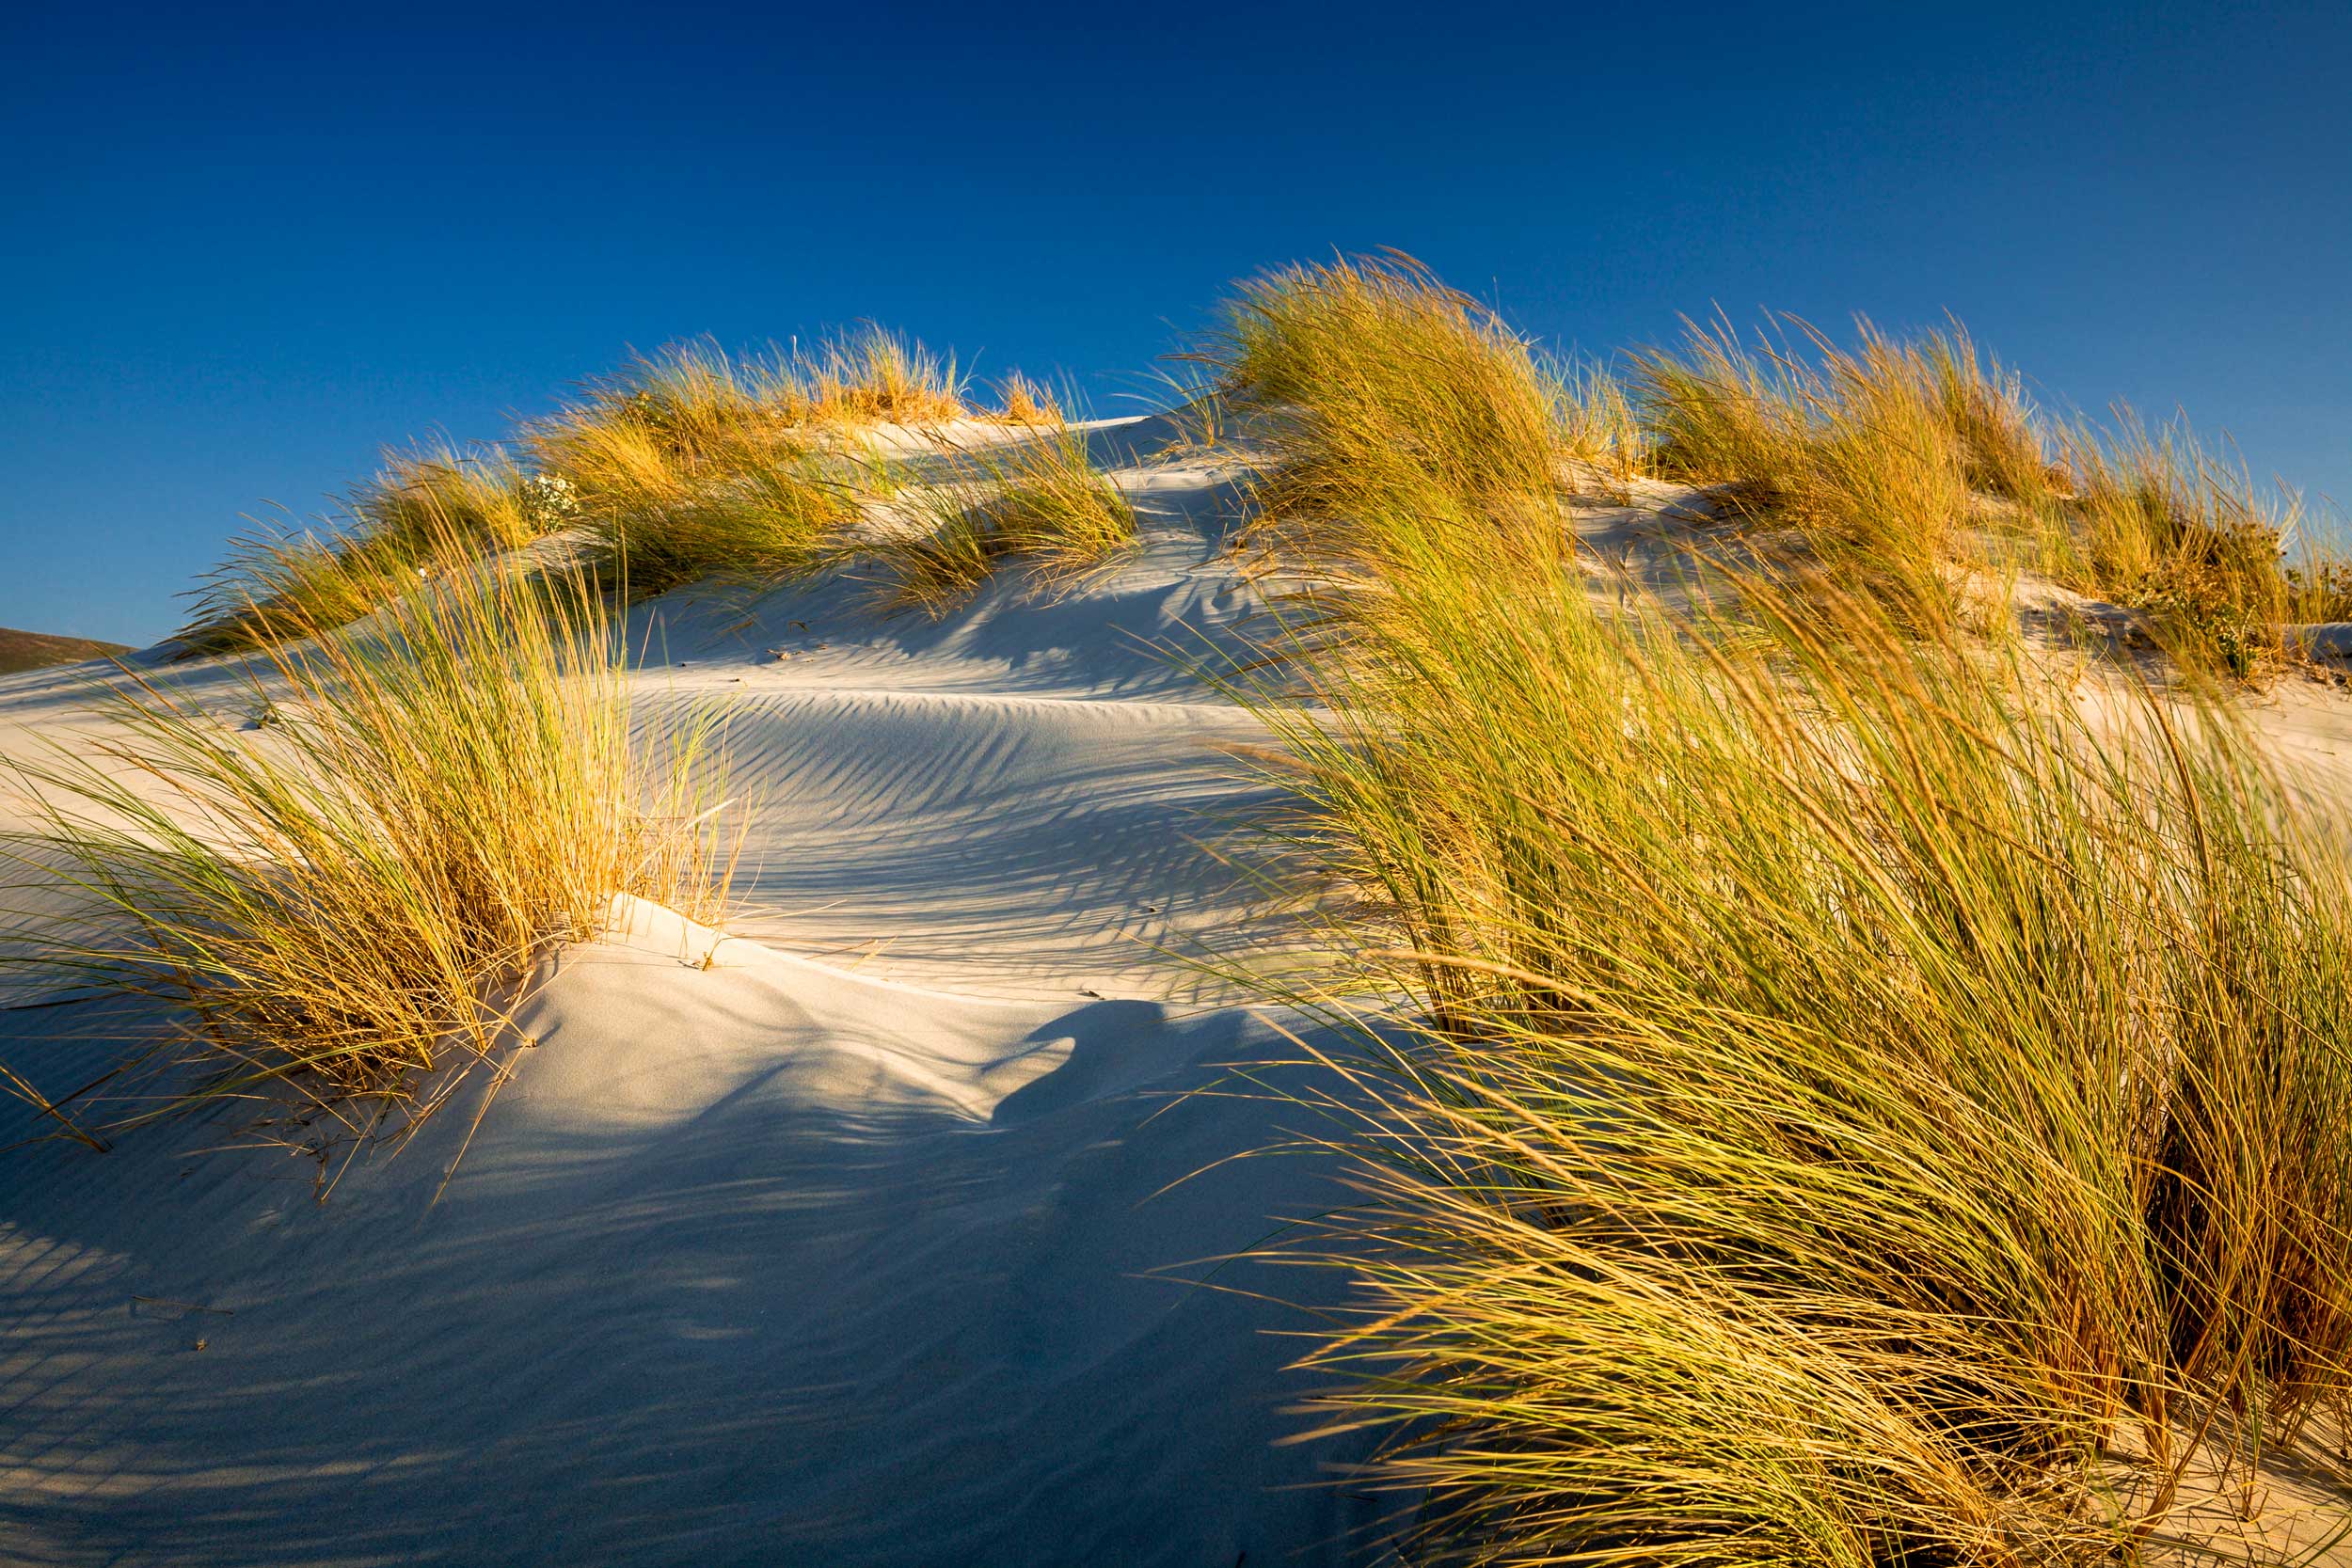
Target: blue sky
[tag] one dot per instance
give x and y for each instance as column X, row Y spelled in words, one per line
column 247, row 247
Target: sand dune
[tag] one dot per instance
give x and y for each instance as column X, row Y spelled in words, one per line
column 859, row 1236
column 858, row 1245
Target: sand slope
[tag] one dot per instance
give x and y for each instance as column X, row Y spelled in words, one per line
column 858, row 1245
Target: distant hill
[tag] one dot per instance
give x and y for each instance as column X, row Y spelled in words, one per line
column 32, row 650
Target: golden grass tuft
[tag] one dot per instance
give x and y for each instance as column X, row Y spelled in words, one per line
column 1037, row 501
column 1823, row 1094
column 1375, row 381
column 1599, row 429
column 425, row 509
column 686, row 464
column 1022, row 401
column 2160, row 522
column 1983, row 404
column 330, row 908
column 874, row 375
column 757, row 507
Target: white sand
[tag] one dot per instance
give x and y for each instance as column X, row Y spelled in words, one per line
column 857, row 1245
column 841, row 1259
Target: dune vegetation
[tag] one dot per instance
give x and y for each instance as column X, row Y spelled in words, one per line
column 688, row 464
column 1827, row 1080
column 1913, row 463
column 331, row 902
column 1040, row 504
column 1822, row 1095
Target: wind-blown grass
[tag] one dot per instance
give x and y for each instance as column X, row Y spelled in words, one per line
column 748, row 502
column 424, row 511
column 1023, row 400
column 1828, row 1091
column 1983, row 404
column 1883, row 456
column 329, row 907
column 1375, row 381
column 1856, row 449
column 686, row 464
column 2160, row 522
column 1038, row 502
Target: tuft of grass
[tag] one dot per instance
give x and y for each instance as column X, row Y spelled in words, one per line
column 1720, row 414
column 1599, row 429
column 1022, row 401
column 1983, row 404
column 688, row 462
column 690, row 404
column 425, row 510
column 1037, row 501
column 2166, row 525
column 1373, row 382
column 1839, row 1091
column 1883, row 482
column 1855, row 448
column 331, row 908
column 876, row 375
column 758, row 506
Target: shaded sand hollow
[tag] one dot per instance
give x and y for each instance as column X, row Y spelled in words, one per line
column 859, row 1236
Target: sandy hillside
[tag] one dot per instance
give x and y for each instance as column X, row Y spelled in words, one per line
column 849, row 1245
column 859, row 1236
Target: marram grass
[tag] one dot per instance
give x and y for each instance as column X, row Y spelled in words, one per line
column 688, row 464
column 1037, row 502
column 1821, row 1095
column 1373, row 381
column 330, row 907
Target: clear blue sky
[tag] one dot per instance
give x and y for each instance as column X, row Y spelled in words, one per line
column 244, row 247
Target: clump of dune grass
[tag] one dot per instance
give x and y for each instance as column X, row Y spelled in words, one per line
column 1823, row 1090
column 1882, row 457
column 1599, row 430
column 328, row 910
column 691, row 403
column 424, row 509
column 1038, row 504
column 1851, row 447
column 1023, row 400
column 1374, row 381
column 688, row 463
column 1983, row 403
column 746, row 502
column 2160, row 522
column 1721, row 414
column 875, row 376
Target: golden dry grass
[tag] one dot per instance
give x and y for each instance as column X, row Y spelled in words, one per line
column 1838, row 1090
column 1395, row 417
column 2158, row 521
column 330, row 907
column 1815, row 1093
column 1038, row 504
column 1023, row 400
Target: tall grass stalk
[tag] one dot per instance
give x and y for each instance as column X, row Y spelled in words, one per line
column 329, row 909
